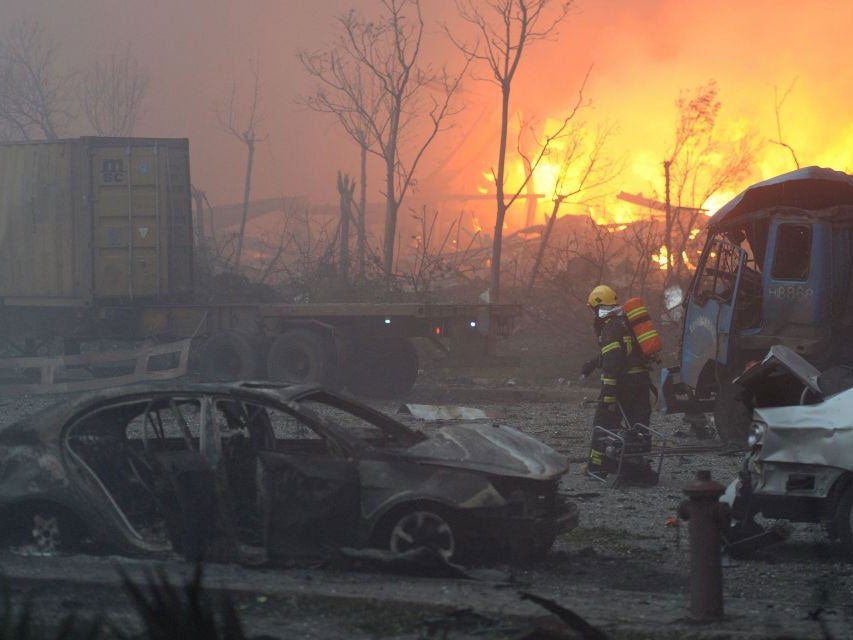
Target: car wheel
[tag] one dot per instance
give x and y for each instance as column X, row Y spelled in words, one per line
column 43, row 529
column 301, row 355
column 422, row 527
column 733, row 413
column 843, row 524
column 228, row 355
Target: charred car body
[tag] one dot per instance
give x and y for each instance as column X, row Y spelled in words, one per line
column 800, row 464
column 776, row 269
column 217, row 470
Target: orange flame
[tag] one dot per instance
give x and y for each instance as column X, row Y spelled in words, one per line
column 661, row 258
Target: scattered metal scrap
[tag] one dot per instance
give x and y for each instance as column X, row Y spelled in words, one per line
column 572, row 620
column 72, row 373
column 433, row 413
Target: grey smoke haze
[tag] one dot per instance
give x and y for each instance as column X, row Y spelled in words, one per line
column 643, row 53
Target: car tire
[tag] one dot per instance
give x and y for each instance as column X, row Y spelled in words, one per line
column 733, row 413
column 302, row 355
column 228, row 355
column 843, row 521
column 44, row 529
column 421, row 526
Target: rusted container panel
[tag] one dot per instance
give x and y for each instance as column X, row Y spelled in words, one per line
column 40, row 225
column 141, row 218
column 95, row 219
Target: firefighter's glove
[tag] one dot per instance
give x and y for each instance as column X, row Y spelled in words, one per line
column 589, row 366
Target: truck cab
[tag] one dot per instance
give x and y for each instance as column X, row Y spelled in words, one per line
column 775, row 269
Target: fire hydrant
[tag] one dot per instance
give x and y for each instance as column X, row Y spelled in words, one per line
column 707, row 518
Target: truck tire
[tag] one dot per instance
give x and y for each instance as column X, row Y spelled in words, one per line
column 733, row 413
column 228, row 355
column 302, row 355
column 383, row 368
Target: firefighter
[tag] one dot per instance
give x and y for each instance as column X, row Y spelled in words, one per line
column 625, row 379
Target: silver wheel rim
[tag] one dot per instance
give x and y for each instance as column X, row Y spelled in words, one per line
column 46, row 534
column 423, row 529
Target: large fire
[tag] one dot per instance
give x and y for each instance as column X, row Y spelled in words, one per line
column 559, row 170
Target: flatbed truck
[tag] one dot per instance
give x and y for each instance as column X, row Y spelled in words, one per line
column 96, row 243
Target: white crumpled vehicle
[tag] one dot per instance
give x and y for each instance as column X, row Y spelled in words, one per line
column 800, row 462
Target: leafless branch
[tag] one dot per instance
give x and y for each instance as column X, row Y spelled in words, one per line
column 778, row 103
column 34, row 96
column 113, row 91
column 229, row 119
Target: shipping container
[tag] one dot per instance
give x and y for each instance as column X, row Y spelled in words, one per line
column 95, row 219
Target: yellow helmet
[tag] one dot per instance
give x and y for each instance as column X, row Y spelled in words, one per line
column 602, row 294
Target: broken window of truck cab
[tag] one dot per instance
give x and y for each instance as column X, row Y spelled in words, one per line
column 719, row 273
column 750, row 237
column 792, row 256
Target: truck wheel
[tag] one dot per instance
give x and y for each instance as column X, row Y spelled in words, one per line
column 302, row 355
column 384, row 368
column 228, row 355
column 733, row 413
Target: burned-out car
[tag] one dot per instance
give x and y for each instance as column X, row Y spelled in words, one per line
column 230, row 470
column 800, row 462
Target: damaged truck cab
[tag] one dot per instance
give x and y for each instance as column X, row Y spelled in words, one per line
column 775, row 270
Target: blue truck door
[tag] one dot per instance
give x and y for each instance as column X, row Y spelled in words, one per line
column 709, row 321
column 797, row 296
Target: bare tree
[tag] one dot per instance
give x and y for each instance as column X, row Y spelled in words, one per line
column 34, row 96
column 778, row 103
column 699, row 165
column 505, row 29
column 346, row 189
column 584, row 163
column 346, row 90
column 436, row 256
column 402, row 103
column 112, row 93
column 228, row 117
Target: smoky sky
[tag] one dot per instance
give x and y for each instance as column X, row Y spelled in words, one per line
column 641, row 52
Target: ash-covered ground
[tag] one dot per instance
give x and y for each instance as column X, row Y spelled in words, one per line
column 625, row 569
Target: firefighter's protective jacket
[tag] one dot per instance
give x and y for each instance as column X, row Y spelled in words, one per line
column 621, row 357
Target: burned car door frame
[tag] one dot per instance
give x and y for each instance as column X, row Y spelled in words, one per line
column 164, row 477
column 307, row 481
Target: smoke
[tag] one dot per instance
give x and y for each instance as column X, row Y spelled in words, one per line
column 643, row 52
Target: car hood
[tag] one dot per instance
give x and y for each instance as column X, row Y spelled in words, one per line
column 492, row 449
column 820, row 434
